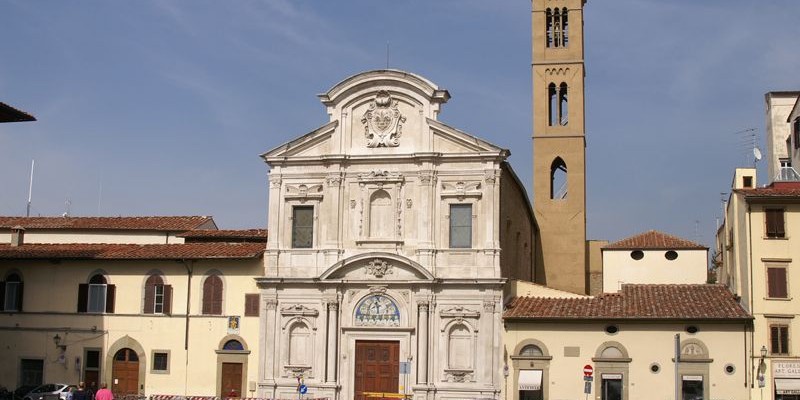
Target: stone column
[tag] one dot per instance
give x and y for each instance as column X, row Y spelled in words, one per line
column 333, row 336
column 274, row 211
column 422, row 343
column 270, row 348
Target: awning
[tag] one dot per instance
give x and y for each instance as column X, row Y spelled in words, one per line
column 787, row 386
column 530, row 379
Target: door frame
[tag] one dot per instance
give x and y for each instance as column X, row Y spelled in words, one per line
column 232, row 356
column 347, row 376
column 107, row 369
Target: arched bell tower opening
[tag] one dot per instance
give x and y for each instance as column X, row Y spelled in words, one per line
column 559, row 141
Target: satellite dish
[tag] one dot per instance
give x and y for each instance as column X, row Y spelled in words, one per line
column 757, row 153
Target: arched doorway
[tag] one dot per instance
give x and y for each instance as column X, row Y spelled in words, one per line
column 125, row 372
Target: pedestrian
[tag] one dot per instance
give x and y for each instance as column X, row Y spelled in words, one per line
column 71, row 392
column 104, row 393
column 80, row 394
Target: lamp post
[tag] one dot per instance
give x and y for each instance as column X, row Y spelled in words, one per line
column 762, row 370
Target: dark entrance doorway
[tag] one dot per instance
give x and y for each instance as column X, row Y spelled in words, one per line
column 611, row 387
column 231, row 384
column 377, row 367
column 125, row 373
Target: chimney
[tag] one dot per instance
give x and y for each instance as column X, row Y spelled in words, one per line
column 17, row 236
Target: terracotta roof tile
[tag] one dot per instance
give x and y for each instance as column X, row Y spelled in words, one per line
column 654, row 240
column 107, row 223
column 776, row 189
column 225, row 233
column 190, row 251
column 657, row 302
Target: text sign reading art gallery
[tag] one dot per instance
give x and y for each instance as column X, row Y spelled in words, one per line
column 377, row 310
column 786, row 369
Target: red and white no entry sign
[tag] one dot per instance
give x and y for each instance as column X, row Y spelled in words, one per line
column 587, row 370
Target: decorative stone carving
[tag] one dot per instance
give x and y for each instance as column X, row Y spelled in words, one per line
column 333, row 179
column 377, row 289
column 379, row 268
column 303, row 192
column 299, row 310
column 461, row 189
column 383, row 122
column 426, row 177
column 274, row 182
column 379, row 176
column 333, row 306
column 352, row 204
column 271, row 304
column 491, row 175
column 488, row 305
column 458, row 375
column 423, row 305
column 460, row 312
column 297, row 371
column 409, row 203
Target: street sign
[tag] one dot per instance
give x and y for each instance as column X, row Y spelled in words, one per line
column 587, row 387
column 588, row 378
column 303, row 389
column 587, row 370
column 405, row 367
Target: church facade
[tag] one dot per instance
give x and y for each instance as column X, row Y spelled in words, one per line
column 384, row 270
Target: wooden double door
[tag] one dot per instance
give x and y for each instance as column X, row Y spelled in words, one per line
column 125, row 373
column 231, row 385
column 377, row 367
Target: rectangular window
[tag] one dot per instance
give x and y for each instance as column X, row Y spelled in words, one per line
column 796, row 132
column 775, row 227
column 779, row 339
column 302, row 227
column 692, row 387
column 747, row 181
column 251, row 304
column 776, row 283
column 159, row 299
column 12, row 296
column 97, row 298
column 160, row 361
column 461, row 226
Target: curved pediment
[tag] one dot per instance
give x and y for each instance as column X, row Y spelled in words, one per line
column 377, row 267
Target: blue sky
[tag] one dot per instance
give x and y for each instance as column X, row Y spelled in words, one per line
column 162, row 108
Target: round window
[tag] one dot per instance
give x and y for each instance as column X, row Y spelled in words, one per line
column 730, row 369
column 637, row 255
column 655, row 368
column 692, row 329
column 612, row 329
column 671, row 255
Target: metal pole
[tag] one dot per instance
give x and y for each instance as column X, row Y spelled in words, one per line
column 30, row 190
column 677, row 364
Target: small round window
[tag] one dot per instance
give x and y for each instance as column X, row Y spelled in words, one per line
column 730, row 369
column 671, row 255
column 692, row 329
column 612, row 329
column 655, row 368
column 637, row 255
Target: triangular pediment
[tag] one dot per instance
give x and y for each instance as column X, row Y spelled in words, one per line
column 377, row 267
column 447, row 139
column 312, row 144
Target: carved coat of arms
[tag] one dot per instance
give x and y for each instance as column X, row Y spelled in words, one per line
column 383, row 123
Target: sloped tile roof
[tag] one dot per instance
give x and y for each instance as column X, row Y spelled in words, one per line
column 654, row 240
column 226, row 233
column 776, row 189
column 653, row 302
column 154, row 223
column 189, row 251
column 11, row 114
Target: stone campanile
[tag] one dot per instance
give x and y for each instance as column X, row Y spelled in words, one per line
column 559, row 167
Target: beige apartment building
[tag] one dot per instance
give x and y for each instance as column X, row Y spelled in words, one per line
column 628, row 341
column 780, row 106
column 149, row 305
column 758, row 258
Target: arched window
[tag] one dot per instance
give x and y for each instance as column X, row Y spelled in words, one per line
column 557, row 104
column 531, row 350
column 459, row 349
column 212, row 295
column 612, row 352
column 299, row 343
column 558, row 179
column 11, row 293
column 557, row 27
column 552, row 104
column 157, row 296
column 233, row 344
column 380, row 215
column 563, row 105
column 97, row 296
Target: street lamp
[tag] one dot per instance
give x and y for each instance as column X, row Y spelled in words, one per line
column 762, row 369
column 57, row 341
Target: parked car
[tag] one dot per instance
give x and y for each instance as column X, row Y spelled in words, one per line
column 40, row 392
column 21, row 391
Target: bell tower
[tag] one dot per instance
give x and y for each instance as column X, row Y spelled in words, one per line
column 559, row 156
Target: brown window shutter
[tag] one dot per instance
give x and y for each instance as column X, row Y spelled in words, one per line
column 19, row 296
column 110, row 295
column 217, row 308
column 770, row 223
column 776, row 283
column 83, row 297
column 212, row 295
column 167, row 299
column 784, row 339
column 2, row 295
column 251, row 305
column 779, row 223
column 149, row 298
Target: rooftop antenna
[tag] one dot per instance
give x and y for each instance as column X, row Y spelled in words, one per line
column 387, row 54
column 30, row 190
column 751, row 143
column 100, row 193
column 67, row 206
column 697, row 230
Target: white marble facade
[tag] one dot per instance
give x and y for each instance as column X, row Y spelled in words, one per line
column 373, row 258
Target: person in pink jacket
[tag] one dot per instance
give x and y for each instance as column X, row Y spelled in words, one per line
column 103, row 393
